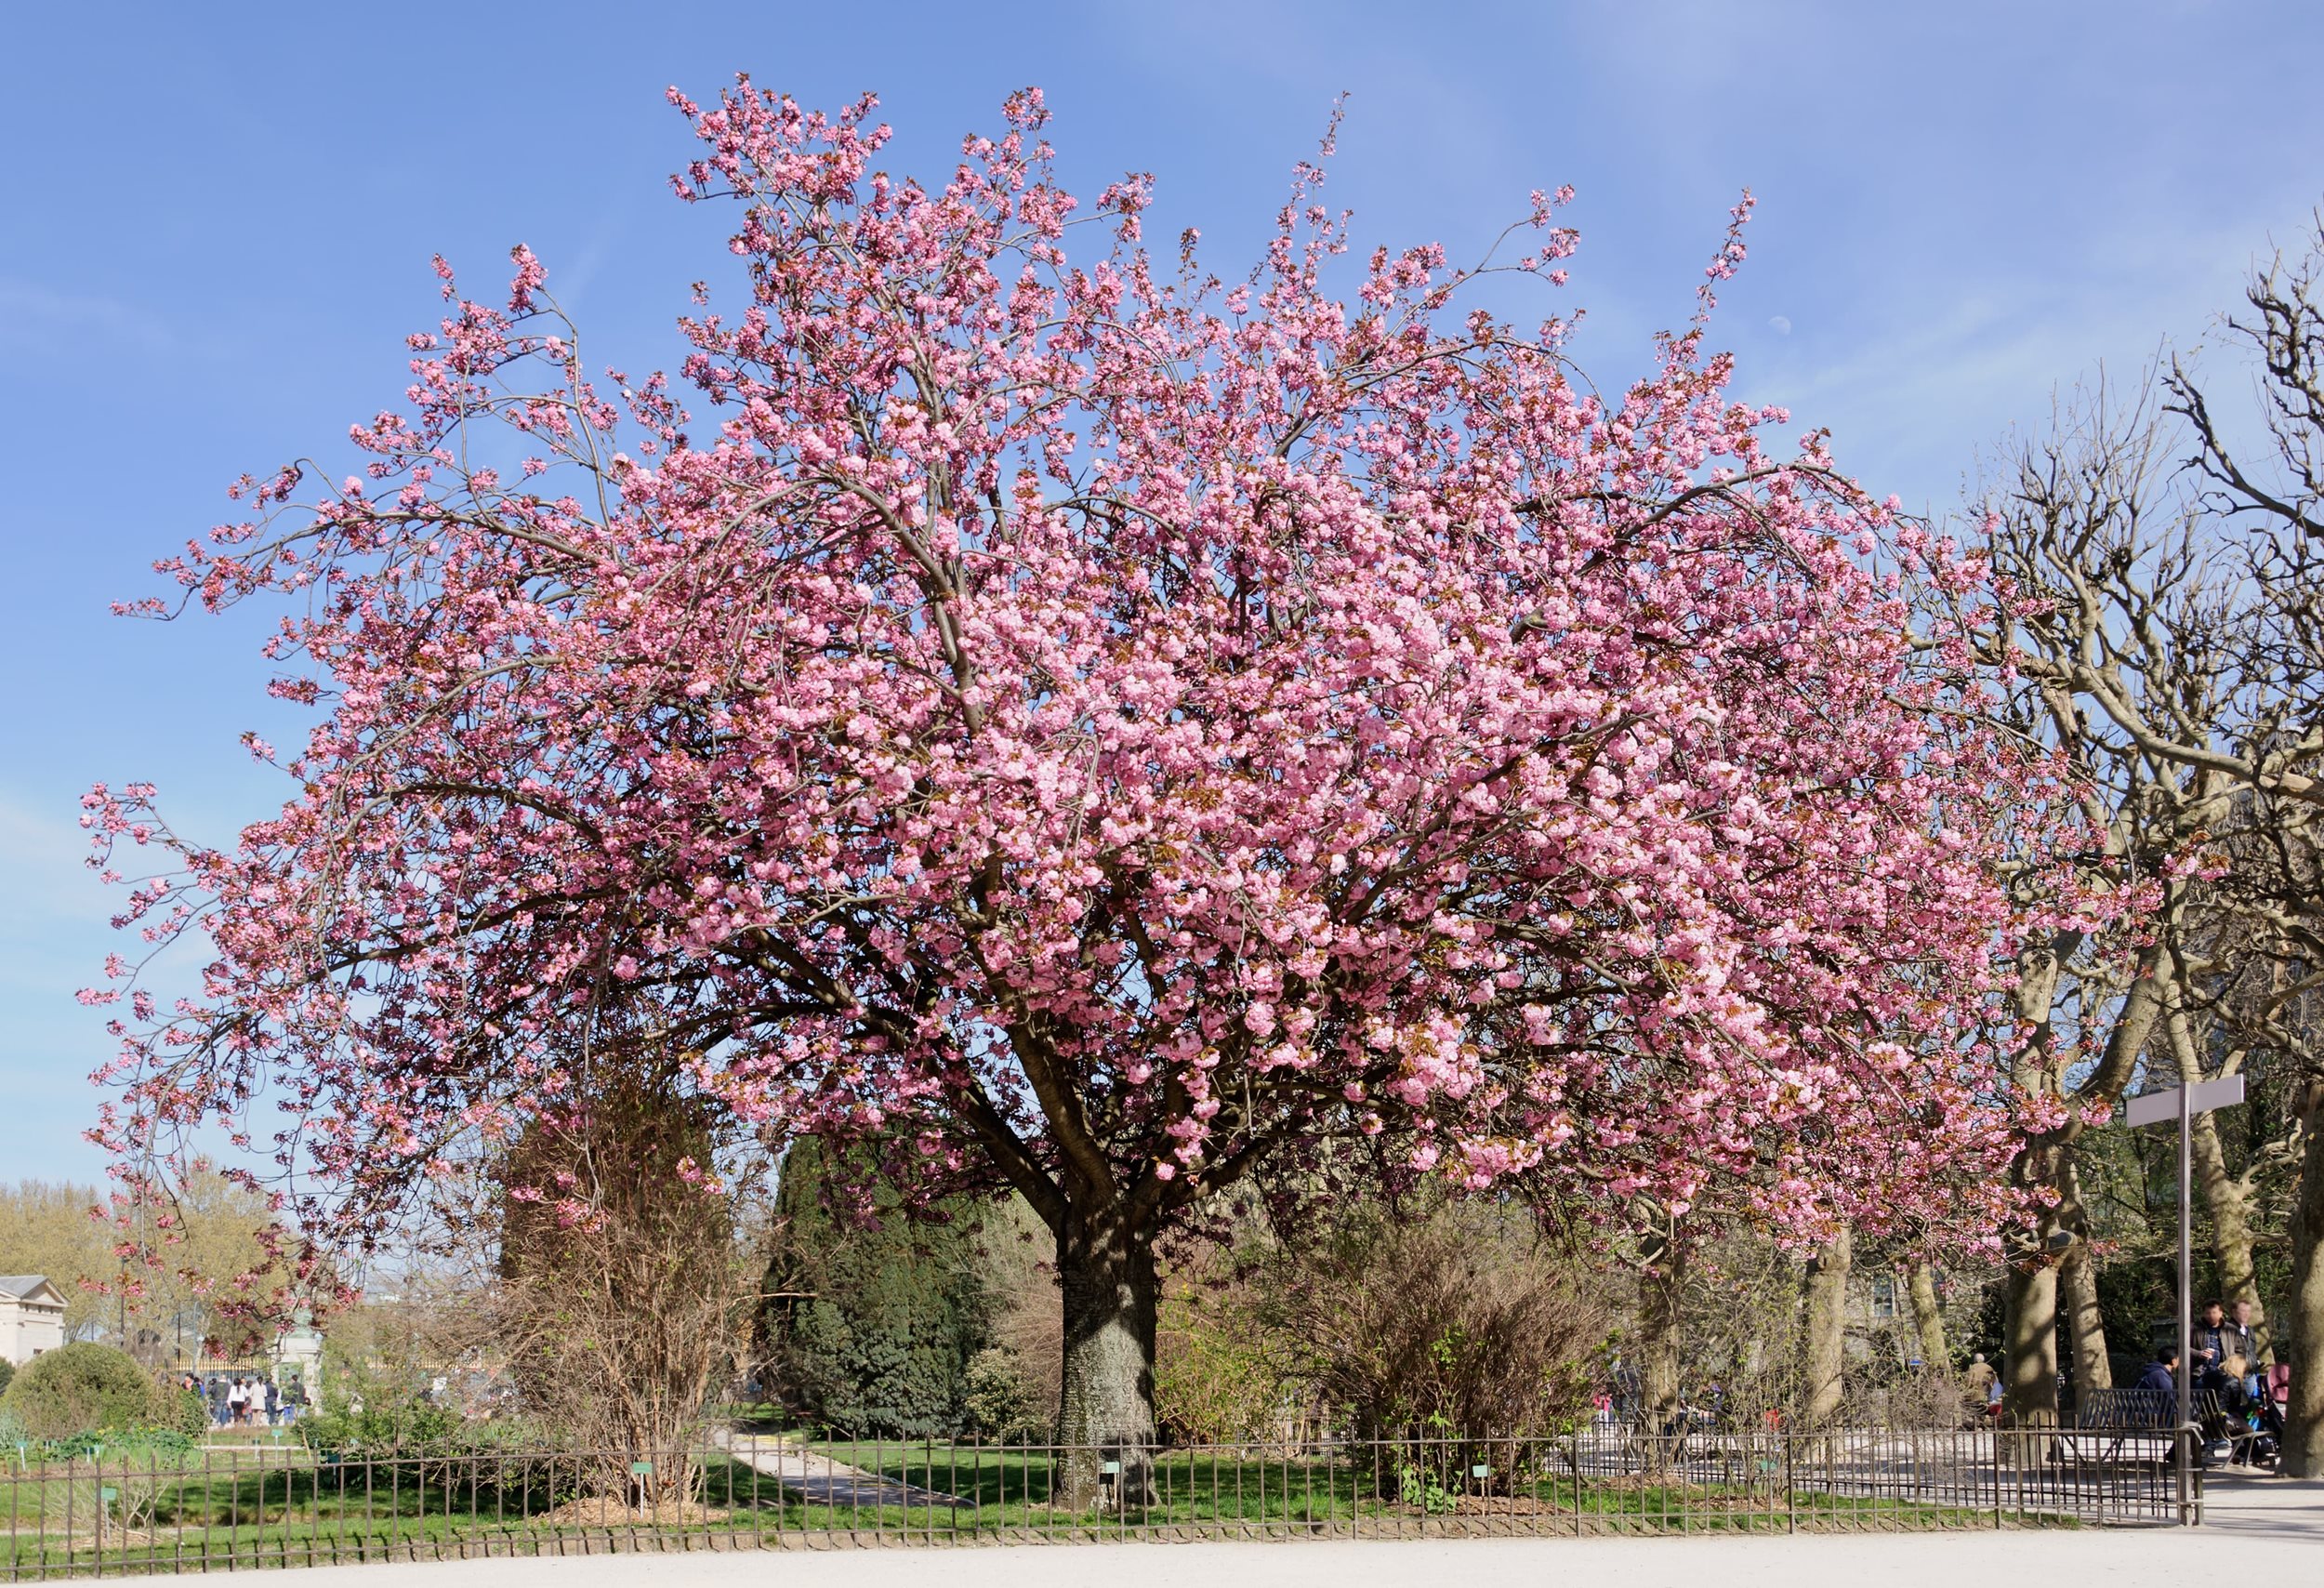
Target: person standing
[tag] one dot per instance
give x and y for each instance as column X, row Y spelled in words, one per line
column 273, row 1402
column 1977, row 1390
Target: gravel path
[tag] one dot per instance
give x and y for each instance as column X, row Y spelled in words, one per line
column 2158, row 1559
column 817, row 1477
column 2260, row 1530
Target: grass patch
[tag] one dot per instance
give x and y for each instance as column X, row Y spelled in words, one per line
column 284, row 1507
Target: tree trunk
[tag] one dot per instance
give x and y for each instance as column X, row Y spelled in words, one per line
column 2077, row 1280
column 1105, row 1413
column 2029, row 1383
column 2229, row 1200
column 1928, row 1319
column 1824, row 1346
column 2029, row 1348
column 1658, row 1322
column 2304, row 1424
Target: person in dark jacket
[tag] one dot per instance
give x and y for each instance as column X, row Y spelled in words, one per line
column 2159, row 1385
column 2209, row 1344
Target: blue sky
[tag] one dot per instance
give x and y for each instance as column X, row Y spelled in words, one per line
column 215, row 224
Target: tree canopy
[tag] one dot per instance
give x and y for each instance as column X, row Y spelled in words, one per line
column 1095, row 729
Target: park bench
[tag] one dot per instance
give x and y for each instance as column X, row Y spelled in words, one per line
column 2129, row 1425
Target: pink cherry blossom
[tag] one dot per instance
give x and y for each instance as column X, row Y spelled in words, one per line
column 1096, row 730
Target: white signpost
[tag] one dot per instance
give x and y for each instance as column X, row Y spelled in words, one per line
column 2157, row 1106
column 2182, row 1103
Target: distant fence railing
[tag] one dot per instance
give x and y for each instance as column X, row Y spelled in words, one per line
column 219, row 1507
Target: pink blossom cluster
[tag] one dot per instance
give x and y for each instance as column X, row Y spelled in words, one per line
column 1097, row 730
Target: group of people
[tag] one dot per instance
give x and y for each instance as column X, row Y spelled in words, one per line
column 246, row 1400
column 2238, row 1397
column 2226, row 1357
column 2241, row 1407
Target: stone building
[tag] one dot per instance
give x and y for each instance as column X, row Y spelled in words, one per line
column 32, row 1317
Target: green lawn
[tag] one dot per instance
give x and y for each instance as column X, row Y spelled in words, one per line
column 282, row 1507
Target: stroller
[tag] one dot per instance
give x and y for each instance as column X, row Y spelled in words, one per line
column 2247, row 1425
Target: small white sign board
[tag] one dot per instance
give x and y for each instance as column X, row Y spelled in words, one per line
column 2162, row 1108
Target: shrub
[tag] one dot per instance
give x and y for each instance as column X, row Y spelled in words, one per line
column 383, row 1415
column 998, row 1401
column 184, row 1413
column 7, row 1371
column 872, row 1319
column 1221, row 1374
column 390, row 1422
column 1452, row 1319
column 84, row 1388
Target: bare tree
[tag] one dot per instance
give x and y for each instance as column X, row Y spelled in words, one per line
column 2269, row 497
column 2158, row 621
column 2129, row 622
column 623, row 1293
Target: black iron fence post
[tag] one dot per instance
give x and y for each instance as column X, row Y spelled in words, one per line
column 1790, row 1503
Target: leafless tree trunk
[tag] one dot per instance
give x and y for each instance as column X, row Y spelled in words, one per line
column 2227, row 1198
column 1928, row 1318
column 2303, row 1424
column 2030, row 1363
column 1658, row 1294
column 2077, row 1283
column 1824, row 1344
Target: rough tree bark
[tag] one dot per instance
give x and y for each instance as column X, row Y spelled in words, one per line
column 2303, row 1421
column 1824, row 1344
column 1658, row 1324
column 1111, row 1294
column 1928, row 1318
column 2078, row 1286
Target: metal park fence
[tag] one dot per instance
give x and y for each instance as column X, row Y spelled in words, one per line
column 219, row 1507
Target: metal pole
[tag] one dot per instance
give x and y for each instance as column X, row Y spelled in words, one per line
column 2185, row 1374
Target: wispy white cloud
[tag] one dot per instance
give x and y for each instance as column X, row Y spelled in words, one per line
column 33, row 315
column 1918, row 390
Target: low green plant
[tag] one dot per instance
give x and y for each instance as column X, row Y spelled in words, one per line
column 1420, row 1488
column 184, row 1411
column 86, row 1388
column 381, row 1416
column 114, row 1476
column 388, row 1418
